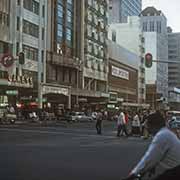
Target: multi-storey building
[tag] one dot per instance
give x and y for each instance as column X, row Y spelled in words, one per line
column 130, row 36
column 61, row 63
column 119, row 10
column 154, row 25
column 174, row 69
column 22, row 30
column 76, row 52
column 123, row 76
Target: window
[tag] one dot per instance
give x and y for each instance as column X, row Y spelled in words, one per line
column 42, row 33
column 30, row 53
column 4, row 18
column 60, row 11
column 32, row 6
column 159, row 26
column 43, row 11
column 17, row 48
column 30, row 28
column 68, row 34
column 69, row 1
column 18, row 23
column 60, row 30
column 151, row 26
column 69, row 16
column 145, row 26
column 114, row 36
column 18, row 2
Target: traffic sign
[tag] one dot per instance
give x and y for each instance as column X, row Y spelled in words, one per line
column 7, row 60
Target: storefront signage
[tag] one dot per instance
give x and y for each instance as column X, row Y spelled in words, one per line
column 12, row 92
column 113, row 97
column 20, row 79
column 118, row 72
column 55, row 90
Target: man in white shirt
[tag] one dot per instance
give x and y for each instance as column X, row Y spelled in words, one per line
column 121, row 123
column 164, row 151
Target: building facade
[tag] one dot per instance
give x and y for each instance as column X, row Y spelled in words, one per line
column 174, row 69
column 76, row 52
column 123, row 76
column 130, row 36
column 119, row 10
column 154, row 25
column 22, row 30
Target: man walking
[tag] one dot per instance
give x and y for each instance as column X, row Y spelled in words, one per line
column 121, row 123
column 99, row 122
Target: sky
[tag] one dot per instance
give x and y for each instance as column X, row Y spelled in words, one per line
column 170, row 8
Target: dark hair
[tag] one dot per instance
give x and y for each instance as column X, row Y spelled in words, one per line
column 156, row 120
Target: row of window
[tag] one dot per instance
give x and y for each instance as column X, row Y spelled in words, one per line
column 93, row 33
column 60, row 35
column 31, row 5
column 152, row 26
column 95, row 49
column 60, row 13
column 30, row 28
column 30, row 53
column 97, row 6
column 4, row 19
column 92, row 17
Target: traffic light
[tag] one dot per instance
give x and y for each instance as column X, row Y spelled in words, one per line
column 21, row 58
column 148, row 60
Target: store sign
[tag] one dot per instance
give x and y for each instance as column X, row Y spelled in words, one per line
column 12, row 92
column 20, row 79
column 113, row 97
column 55, row 90
column 118, row 72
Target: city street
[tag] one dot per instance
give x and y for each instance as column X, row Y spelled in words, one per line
column 67, row 152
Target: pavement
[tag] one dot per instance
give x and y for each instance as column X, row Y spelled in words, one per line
column 67, row 152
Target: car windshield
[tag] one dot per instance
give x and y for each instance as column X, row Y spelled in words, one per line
column 80, row 113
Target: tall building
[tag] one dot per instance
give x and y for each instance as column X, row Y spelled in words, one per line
column 61, row 63
column 76, row 53
column 154, row 25
column 119, row 10
column 174, row 69
column 130, row 36
column 123, row 76
column 22, row 30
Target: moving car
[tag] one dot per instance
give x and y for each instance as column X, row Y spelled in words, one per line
column 78, row 117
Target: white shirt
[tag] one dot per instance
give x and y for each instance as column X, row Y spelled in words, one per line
column 121, row 119
column 136, row 121
column 163, row 153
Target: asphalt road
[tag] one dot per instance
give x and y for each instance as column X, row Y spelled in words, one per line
column 66, row 153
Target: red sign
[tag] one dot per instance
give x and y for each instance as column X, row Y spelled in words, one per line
column 7, row 60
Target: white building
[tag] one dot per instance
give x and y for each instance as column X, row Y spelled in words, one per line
column 25, row 33
column 154, row 25
column 174, row 69
column 130, row 36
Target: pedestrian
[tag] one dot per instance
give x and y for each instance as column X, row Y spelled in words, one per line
column 121, row 125
column 136, row 125
column 99, row 118
column 163, row 153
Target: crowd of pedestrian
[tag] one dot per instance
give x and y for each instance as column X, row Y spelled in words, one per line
column 129, row 123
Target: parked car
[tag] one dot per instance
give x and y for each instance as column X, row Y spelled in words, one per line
column 78, row 117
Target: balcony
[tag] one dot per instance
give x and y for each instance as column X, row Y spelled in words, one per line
column 59, row 60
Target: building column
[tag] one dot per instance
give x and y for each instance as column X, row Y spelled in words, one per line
column 69, row 101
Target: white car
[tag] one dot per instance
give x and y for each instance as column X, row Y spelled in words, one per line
column 80, row 117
